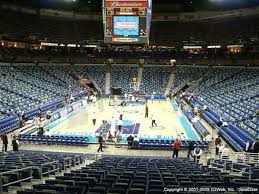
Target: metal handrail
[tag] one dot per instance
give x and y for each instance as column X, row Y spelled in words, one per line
column 14, row 182
column 247, row 157
column 232, row 169
column 46, row 164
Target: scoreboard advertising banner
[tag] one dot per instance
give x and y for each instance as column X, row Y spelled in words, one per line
column 127, row 22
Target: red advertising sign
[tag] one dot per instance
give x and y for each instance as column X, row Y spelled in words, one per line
column 125, row 39
column 115, row 4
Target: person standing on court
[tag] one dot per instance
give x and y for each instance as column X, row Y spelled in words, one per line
column 153, row 120
column 100, row 141
column 146, row 111
column 176, row 148
column 120, row 123
column 94, row 118
column 152, row 97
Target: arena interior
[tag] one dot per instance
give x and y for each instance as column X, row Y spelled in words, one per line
column 129, row 96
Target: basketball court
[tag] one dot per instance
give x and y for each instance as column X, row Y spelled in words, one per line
column 171, row 123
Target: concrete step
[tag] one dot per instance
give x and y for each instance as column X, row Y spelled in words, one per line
column 27, row 185
column 13, row 189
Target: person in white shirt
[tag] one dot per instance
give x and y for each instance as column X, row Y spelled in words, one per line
column 133, row 99
column 94, row 99
column 208, row 138
column 91, row 99
column 195, row 119
column 120, row 123
column 248, row 145
column 125, row 96
column 37, row 122
column 197, row 153
column 224, row 124
column 136, row 141
column 225, row 153
column 152, row 97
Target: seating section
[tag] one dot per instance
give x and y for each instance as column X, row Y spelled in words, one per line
column 154, row 79
column 26, row 88
column 140, row 176
column 187, row 74
column 17, row 167
column 96, row 73
column 122, row 76
column 54, row 140
column 233, row 95
column 230, row 93
column 167, row 144
column 198, row 126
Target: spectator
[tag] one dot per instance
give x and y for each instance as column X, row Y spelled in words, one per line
column 190, row 149
column 110, row 137
column 21, row 122
column 136, row 142
column 39, row 113
column 130, row 140
column 208, row 138
column 197, row 154
column 100, row 141
column 217, row 144
column 48, row 117
column 120, row 123
column 248, row 146
column 225, row 153
column 224, row 124
column 40, row 132
column 221, row 147
column 176, row 148
column 5, row 141
column 15, row 144
column 220, row 122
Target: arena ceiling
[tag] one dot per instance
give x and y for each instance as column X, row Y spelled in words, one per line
column 158, row 5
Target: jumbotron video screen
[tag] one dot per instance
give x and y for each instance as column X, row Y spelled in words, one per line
column 127, row 22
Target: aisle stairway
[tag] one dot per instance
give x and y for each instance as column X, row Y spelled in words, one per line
column 107, row 82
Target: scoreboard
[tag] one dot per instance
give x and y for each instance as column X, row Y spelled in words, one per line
column 127, row 21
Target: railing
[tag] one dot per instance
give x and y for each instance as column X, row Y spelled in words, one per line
column 241, row 163
column 247, row 157
column 2, row 185
column 67, row 163
column 53, row 169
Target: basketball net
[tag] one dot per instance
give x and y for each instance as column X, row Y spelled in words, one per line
column 133, row 85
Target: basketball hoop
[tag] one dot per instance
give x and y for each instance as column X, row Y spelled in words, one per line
column 133, row 85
